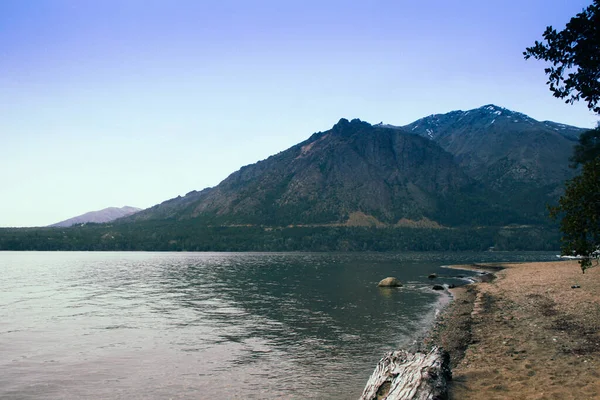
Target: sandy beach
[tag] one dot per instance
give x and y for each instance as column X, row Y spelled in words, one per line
column 527, row 334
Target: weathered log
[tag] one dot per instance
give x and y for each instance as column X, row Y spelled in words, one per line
column 402, row 376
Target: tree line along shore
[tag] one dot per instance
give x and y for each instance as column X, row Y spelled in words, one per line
column 187, row 236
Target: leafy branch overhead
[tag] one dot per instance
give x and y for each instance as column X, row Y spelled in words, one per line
column 575, row 57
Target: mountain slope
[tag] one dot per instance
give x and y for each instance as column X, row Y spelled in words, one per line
column 524, row 160
column 494, row 144
column 488, row 166
column 105, row 215
column 351, row 174
column 458, row 181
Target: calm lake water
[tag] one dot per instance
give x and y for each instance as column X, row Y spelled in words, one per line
column 77, row 325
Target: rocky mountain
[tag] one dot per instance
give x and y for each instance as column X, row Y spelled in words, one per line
column 496, row 145
column 105, row 215
column 488, row 166
column 524, row 160
column 467, row 180
column 352, row 174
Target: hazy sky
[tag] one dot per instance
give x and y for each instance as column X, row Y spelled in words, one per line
column 117, row 102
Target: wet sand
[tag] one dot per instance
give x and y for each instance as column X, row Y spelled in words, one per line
column 525, row 334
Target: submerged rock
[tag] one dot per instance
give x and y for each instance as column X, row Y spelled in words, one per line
column 432, row 276
column 390, row 282
column 438, row 287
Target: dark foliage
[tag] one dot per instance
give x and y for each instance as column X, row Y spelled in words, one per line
column 190, row 236
column 575, row 75
column 587, row 149
column 573, row 53
column 580, row 211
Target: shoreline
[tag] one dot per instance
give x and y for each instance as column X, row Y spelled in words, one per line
column 521, row 331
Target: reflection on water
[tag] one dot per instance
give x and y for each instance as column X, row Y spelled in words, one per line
column 209, row 325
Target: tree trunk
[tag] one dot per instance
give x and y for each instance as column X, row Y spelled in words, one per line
column 402, row 375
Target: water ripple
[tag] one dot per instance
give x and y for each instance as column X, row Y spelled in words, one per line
column 199, row 325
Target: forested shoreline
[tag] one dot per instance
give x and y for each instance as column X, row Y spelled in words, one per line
column 187, row 236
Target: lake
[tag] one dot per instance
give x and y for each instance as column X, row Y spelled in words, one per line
column 108, row 325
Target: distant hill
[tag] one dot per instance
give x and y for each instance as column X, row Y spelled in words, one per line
column 106, row 215
column 488, row 166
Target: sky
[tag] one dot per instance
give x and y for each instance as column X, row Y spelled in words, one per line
column 132, row 102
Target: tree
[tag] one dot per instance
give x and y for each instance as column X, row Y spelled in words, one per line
column 587, row 149
column 574, row 54
column 580, row 207
column 574, row 74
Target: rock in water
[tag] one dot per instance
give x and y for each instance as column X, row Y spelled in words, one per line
column 438, row 287
column 432, row 276
column 390, row 282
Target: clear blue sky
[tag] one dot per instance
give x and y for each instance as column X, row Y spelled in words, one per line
column 117, row 102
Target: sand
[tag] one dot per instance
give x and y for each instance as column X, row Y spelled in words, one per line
column 526, row 334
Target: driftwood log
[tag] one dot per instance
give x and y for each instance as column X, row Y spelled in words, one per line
column 404, row 375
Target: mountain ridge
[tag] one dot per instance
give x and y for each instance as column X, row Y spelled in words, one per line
column 461, row 158
column 480, row 180
column 325, row 176
column 108, row 214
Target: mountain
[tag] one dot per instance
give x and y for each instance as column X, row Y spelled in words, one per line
column 488, row 166
column 524, row 160
column 106, row 215
column 465, row 180
column 354, row 173
column 495, row 144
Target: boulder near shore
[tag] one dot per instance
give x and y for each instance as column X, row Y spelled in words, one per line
column 390, row 282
